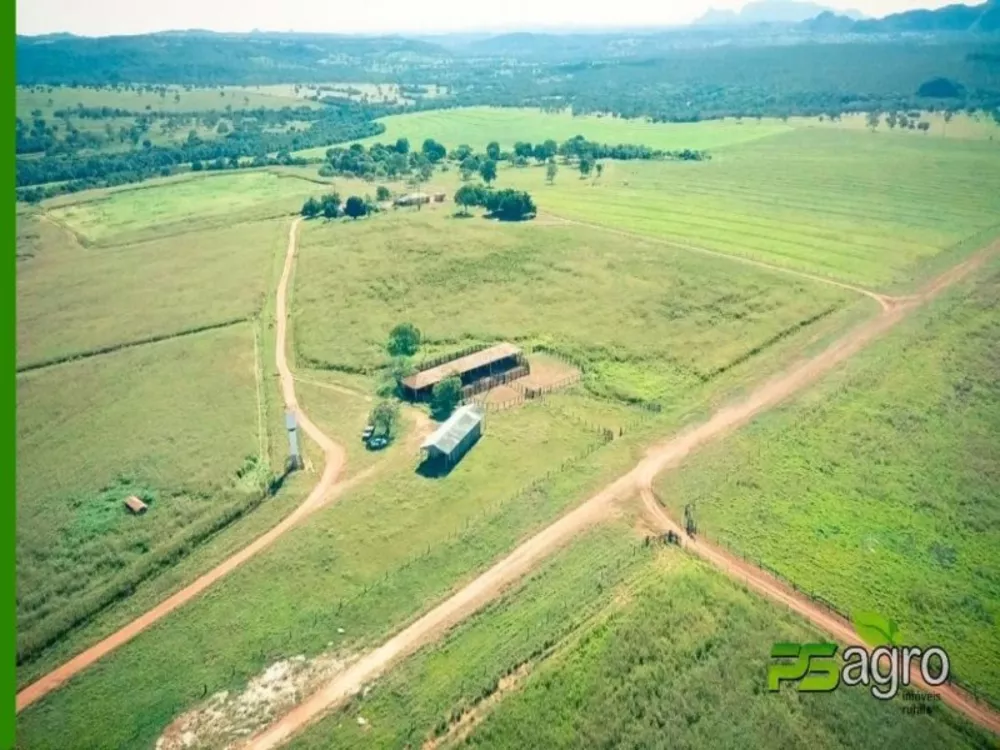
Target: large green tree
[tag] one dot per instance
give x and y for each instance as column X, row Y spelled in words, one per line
column 445, row 396
column 355, row 207
column 488, row 171
column 404, row 340
column 310, row 209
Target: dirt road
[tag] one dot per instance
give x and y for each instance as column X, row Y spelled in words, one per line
column 324, row 491
column 660, row 457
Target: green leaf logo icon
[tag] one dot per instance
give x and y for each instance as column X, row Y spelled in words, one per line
column 876, row 630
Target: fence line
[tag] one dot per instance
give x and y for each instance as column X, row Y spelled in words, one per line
column 831, row 607
column 484, row 384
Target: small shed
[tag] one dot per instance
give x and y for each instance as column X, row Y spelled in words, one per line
column 439, row 197
column 453, row 439
column 412, row 199
column 134, row 504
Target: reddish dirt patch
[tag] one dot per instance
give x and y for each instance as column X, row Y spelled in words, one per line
column 500, row 394
column 547, row 371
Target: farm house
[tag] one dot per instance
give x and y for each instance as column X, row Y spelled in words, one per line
column 453, row 439
column 485, row 363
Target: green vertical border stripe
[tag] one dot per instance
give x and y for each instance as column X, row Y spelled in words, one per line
column 8, row 350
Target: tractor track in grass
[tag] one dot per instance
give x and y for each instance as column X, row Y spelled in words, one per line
column 662, row 456
column 327, row 489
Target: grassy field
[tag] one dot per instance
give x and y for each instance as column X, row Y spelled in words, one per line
column 979, row 127
column 171, row 422
column 612, row 644
column 49, row 99
column 869, row 208
column 477, row 126
column 828, row 198
column 651, row 320
column 128, row 212
column 73, row 300
column 887, row 476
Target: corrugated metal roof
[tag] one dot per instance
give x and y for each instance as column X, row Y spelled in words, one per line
column 456, row 427
column 458, row 366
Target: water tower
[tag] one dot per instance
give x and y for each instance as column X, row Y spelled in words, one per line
column 294, row 454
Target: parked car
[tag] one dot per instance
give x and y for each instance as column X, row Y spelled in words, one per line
column 377, row 443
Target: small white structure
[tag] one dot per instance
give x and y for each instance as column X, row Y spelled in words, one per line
column 294, row 455
column 453, row 439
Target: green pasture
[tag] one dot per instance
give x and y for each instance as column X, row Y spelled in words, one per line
column 477, row 126
column 681, row 662
column 73, row 300
column 879, row 489
column 961, row 125
column 653, row 320
column 611, row 643
column 125, row 214
column 867, row 208
column 49, row 99
column 171, row 422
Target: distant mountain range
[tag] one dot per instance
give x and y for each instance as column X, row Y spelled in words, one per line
column 770, row 11
column 974, row 18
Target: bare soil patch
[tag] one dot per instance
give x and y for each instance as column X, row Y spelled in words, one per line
column 225, row 719
column 547, row 371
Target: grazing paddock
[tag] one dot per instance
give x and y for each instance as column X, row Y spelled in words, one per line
column 870, row 209
column 477, row 126
column 48, row 99
column 887, row 474
column 679, row 659
column 652, row 320
column 73, row 300
column 172, row 422
column 619, row 628
column 125, row 215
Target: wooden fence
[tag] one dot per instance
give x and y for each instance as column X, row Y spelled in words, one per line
column 826, row 604
column 484, row 384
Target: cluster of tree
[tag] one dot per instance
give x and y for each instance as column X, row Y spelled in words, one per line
column 383, row 161
column 507, row 204
column 143, row 171
column 329, row 206
column 238, row 148
column 905, row 120
column 580, row 147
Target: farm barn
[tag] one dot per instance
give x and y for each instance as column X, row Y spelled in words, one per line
column 453, row 439
column 485, row 363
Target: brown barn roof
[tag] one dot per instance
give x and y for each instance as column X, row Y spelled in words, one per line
column 481, row 358
column 134, row 504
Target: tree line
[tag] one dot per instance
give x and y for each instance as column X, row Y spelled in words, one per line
column 238, row 148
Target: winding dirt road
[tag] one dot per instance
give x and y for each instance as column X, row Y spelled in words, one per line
column 325, row 490
column 668, row 454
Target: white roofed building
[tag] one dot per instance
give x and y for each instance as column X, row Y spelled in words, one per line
column 456, row 435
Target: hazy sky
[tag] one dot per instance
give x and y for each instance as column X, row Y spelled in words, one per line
column 102, row 17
